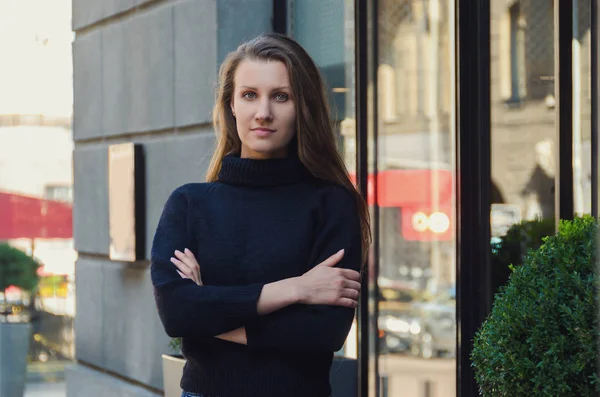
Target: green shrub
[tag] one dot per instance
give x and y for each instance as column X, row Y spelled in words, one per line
column 17, row 268
column 175, row 345
column 511, row 249
column 541, row 338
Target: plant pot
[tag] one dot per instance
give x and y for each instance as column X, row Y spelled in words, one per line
column 172, row 373
column 14, row 345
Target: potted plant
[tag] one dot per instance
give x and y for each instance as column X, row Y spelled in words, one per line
column 173, row 369
column 541, row 338
column 17, row 269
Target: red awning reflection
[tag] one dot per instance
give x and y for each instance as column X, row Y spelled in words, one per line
column 410, row 188
column 423, row 197
column 31, row 217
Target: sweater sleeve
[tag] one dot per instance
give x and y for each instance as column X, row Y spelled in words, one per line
column 317, row 327
column 185, row 308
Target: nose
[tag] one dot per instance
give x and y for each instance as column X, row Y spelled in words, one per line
column 264, row 113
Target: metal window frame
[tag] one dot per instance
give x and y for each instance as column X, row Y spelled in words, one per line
column 362, row 60
column 594, row 96
column 563, row 72
column 381, row 383
column 473, row 182
column 280, row 16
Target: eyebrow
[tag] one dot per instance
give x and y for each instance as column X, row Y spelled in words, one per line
column 274, row 89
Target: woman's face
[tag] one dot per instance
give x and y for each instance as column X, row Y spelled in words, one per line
column 263, row 107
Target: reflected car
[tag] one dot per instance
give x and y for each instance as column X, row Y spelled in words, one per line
column 437, row 328
column 396, row 332
column 395, row 324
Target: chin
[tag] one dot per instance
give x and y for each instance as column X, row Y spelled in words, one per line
column 266, row 148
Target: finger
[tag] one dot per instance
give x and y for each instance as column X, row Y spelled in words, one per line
column 184, row 257
column 350, row 274
column 189, row 253
column 347, row 302
column 333, row 259
column 187, row 268
column 189, row 262
column 355, row 285
column 350, row 293
column 183, row 268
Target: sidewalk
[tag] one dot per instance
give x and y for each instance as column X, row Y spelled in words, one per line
column 50, row 372
column 45, row 389
column 46, row 379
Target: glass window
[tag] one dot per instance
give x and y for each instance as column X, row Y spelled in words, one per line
column 523, row 128
column 325, row 28
column 59, row 193
column 415, row 195
column 582, row 107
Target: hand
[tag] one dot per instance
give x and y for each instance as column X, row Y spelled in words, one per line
column 187, row 265
column 327, row 285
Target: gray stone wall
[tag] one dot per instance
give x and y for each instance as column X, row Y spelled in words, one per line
column 144, row 72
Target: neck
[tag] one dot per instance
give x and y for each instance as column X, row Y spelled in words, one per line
column 251, row 155
column 237, row 170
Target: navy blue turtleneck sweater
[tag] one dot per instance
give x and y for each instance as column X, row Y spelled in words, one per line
column 263, row 221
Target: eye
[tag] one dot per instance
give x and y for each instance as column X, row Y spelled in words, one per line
column 249, row 95
column 281, row 97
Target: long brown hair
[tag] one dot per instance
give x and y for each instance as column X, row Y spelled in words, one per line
column 316, row 141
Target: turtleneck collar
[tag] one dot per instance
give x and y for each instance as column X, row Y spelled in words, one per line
column 261, row 173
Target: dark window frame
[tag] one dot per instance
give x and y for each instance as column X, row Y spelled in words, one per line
column 595, row 39
column 563, row 65
column 280, row 16
column 363, row 10
column 473, row 182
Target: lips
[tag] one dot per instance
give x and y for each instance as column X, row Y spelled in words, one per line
column 263, row 131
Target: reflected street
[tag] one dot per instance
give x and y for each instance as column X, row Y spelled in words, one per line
column 416, row 377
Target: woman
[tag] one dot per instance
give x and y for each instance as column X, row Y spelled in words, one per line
column 258, row 269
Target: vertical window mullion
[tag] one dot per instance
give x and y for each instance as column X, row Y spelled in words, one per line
column 473, row 153
column 594, row 100
column 564, row 192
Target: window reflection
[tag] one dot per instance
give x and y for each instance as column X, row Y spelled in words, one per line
column 523, row 118
column 417, row 327
column 582, row 107
column 523, row 133
column 523, row 112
